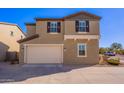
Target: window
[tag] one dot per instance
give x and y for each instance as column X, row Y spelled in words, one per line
column 82, row 26
column 21, row 37
column 53, row 26
column 81, row 50
column 11, row 33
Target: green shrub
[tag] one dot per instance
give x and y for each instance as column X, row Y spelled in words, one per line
column 114, row 61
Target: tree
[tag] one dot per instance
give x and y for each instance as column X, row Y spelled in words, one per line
column 116, row 46
column 109, row 49
column 103, row 50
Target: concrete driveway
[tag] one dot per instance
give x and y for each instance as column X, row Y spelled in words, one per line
column 66, row 74
column 121, row 58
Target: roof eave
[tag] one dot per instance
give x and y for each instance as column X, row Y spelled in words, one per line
column 49, row 19
column 30, row 24
column 28, row 38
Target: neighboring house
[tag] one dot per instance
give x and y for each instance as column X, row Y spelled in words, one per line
column 73, row 39
column 9, row 34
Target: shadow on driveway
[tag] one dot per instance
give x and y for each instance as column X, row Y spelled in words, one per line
column 16, row 73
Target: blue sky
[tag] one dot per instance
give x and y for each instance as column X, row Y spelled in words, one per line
column 111, row 24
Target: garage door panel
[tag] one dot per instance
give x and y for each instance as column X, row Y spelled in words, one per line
column 32, row 60
column 44, row 54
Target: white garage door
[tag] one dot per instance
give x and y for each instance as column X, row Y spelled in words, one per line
column 49, row 53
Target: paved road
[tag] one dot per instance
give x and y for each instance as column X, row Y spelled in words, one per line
column 67, row 74
column 121, row 58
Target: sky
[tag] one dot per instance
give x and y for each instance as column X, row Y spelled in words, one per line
column 111, row 24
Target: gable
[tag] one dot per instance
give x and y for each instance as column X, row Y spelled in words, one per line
column 82, row 15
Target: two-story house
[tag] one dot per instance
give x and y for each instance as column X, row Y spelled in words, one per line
column 73, row 39
column 9, row 34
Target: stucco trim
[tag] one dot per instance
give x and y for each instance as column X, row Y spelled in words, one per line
column 25, row 53
column 42, row 44
column 81, row 37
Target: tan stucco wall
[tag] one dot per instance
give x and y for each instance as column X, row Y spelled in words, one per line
column 41, row 29
column 3, row 49
column 9, row 42
column 70, row 28
column 70, row 55
column 67, row 28
column 82, row 17
column 31, row 29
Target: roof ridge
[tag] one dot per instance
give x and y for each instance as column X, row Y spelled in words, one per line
column 85, row 12
column 7, row 23
column 67, row 16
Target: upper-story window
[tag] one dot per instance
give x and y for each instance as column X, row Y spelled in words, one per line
column 11, row 33
column 53, row 27
column 82, row 26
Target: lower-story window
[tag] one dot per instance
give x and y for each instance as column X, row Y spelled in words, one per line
column 81, row 50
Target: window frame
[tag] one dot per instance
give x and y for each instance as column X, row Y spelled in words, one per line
column 11, row 33
column 79, row 31
column 56, row 27
column 21, row 37
column 78, row 50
